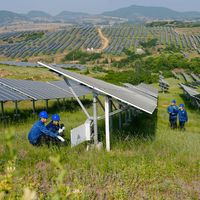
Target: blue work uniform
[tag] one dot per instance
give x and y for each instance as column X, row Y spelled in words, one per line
column 39, row 129
column 52, row 127
column 173, row 112
column 183, row 117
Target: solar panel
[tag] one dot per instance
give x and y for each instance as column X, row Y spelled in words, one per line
column 80, row 90
column 124, row 95
column 29, row 64
column 7, row 94
column 39, row 90
column 190, row 90
column 195, row 77
column 186, row 77
column 144, row 88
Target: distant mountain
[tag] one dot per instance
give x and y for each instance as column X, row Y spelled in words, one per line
column 143, row 13
column 67, row 15
column 37, row 14
column 8, row 17
column 133, row 13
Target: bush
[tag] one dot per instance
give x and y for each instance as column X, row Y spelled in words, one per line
column 150, row 43
column 83, row 57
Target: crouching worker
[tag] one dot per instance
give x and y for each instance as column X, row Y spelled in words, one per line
column 55, row 125
column 173, row 112
column 39, row 134
column 183, row 117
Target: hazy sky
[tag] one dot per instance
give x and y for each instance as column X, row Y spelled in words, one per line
column 93, row 6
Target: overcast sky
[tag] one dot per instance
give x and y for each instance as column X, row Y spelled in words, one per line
column 92, row 6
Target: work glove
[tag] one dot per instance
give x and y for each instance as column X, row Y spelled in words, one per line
column 61, row 138
column 61, row 130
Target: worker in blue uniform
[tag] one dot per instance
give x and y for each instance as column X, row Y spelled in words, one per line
column 173, row 112
column 55, row 125
column 39, row 134
column 183, row 117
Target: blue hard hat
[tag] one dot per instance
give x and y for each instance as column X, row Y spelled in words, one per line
column 181, row 105
column 173, row 101
column 43, row 114
column 55, row 117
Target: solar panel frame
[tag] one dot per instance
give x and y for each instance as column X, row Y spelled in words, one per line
column 80, row 90
column 119, row 93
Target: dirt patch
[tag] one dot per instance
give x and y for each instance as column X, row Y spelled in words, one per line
column 178, row 70
column 5, row 73
column 104, row 40
column 188, row 30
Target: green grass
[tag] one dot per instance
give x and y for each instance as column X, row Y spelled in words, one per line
column 147, row 161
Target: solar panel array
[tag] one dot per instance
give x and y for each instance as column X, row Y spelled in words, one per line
column 189, row 90
column 186, row 77
column 7, row 94
column 29, row 64
column 132, row 98
column 195, row 77
column 18, row 90
column 192, row 94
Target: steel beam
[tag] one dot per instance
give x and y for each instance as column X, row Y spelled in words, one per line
column 76, row 97
column 95, row 115
column 107, row 124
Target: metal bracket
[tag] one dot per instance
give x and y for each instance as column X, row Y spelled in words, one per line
column 76, row 97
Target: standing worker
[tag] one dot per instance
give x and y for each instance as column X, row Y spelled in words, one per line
column 183, row 117
column 173, row 112
column 39, row 134
column 55, row 125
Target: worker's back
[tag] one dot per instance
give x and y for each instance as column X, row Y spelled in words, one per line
column 35, row 132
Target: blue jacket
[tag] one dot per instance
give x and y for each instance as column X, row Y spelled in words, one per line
column 52, row 127
column 37, row 130
column 183, row 117
column 173, row 111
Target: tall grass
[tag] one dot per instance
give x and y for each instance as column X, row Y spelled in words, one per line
column 148, row 160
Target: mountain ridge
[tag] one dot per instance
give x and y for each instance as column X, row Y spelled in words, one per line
column 133, row 13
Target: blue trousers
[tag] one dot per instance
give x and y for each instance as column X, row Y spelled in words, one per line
column 173, row 123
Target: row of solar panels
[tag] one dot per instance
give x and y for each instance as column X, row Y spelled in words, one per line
column 135, row 97
column 18, row 90
column 29, row 64
column 193, row 94
column 187, row 78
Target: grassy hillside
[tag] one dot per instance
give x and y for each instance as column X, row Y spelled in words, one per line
column 147, row 161
column 134, row 13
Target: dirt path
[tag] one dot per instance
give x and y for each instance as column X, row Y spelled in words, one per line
column 104, row 40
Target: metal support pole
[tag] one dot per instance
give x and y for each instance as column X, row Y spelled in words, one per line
column 120, row 118
column 16, row 108
column 47, row 104
column 2, row 109
column 100, row 103
column 111, row 118
column 34, row 112
column 58, row 104
column 129, row 115
column 80, row 103
column 95, row 119
column 107, row 124
column 126, row 117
